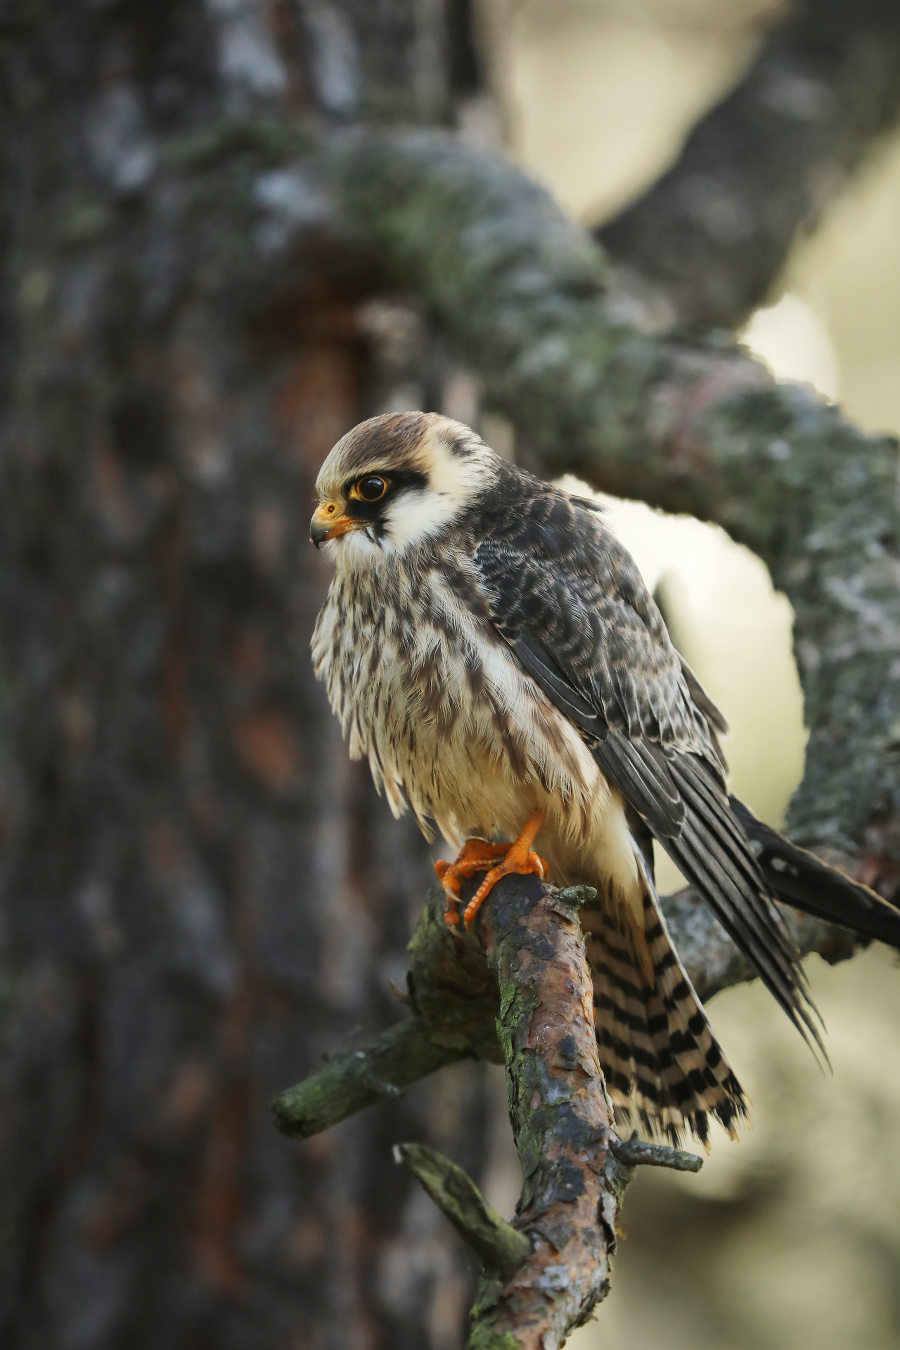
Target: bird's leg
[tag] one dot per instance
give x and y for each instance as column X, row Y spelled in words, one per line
column 520, row 860
column 476, row 855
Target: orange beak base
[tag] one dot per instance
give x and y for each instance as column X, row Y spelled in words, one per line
column 329, row 521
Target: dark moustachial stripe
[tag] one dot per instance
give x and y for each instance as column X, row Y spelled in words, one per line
column 406, row 480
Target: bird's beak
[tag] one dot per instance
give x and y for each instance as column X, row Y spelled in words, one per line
column 329, row 521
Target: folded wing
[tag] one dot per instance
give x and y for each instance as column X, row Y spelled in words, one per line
column 571, row 604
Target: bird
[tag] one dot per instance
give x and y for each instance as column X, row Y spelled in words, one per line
column 490, row 647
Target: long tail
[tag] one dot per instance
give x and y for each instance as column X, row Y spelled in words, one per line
column 664, row 1068
column 799, row 878
column 715, row 855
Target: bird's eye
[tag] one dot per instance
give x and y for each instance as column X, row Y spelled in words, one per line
column 371, row 488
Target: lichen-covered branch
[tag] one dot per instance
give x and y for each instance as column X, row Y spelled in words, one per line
column 688, row 425
column 355, row 1079
column 712, row 235
column 500, row 1246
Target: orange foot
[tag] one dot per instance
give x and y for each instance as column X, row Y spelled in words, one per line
column 477, row 855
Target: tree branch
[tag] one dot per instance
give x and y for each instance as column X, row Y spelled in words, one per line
column 689, row 426
column 355, row 1079
column 519, row 991
column 455, row 1004
column 561, row 1119
column 713, row 233
column 524, row 997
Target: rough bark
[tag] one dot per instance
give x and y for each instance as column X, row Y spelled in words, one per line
column 200, row 895
column 561, row 1119
column 711, row 237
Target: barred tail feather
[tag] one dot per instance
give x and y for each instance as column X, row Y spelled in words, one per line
column 664, row 1068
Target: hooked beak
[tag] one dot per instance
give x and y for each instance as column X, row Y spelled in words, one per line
column 329, row 521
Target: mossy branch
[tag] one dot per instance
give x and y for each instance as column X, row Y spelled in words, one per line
column 500, row 1246
column 354, row 1079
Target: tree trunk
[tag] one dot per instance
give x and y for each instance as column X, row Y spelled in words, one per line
column 200, row 894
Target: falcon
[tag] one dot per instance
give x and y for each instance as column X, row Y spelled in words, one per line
column 491, row 649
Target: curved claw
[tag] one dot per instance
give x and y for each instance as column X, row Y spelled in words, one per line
column 477, row 855
column 516, row 863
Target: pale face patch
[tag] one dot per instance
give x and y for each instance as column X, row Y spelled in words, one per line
column 452, row 484
column 450, row 459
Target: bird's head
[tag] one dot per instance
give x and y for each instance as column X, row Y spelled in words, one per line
column 399, row 479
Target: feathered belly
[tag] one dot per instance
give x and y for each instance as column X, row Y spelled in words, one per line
column 451, row 725
column 454, row 728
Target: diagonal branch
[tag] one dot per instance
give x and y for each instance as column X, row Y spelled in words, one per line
column 501, row 1246
column 714, row 232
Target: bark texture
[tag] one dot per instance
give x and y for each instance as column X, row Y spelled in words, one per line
column 200, row 895
column 561, row 1119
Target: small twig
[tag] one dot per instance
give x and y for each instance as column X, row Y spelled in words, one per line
column 636, row 1152
column 499, row 1245
column 354, row 1079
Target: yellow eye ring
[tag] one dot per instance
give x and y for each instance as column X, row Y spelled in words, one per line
column 370, row 489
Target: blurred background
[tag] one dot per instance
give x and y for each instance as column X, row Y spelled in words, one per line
column 200, row 895
column 790, row 1239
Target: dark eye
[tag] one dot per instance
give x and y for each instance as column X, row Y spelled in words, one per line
column 372, row 488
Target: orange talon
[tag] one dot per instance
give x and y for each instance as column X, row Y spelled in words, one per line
column 476, row 855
